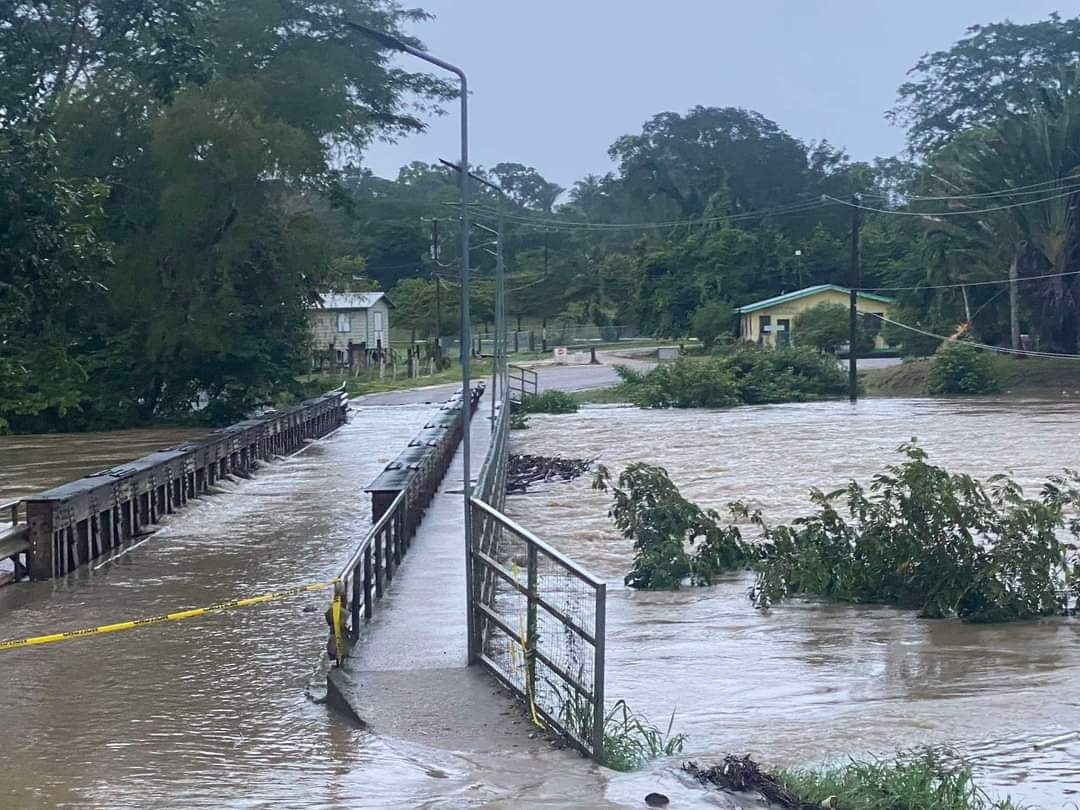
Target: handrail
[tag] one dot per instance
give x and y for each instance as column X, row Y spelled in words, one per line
column 531, row 538
column 380, row 525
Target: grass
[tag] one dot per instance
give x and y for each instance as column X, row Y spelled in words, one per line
column 611, row 395
column 1028, row 375
column 551, row 401
column 357, row 386
column 917, row 783
column 630, row 740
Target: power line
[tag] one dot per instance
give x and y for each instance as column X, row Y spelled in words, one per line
column 984, row 346
column 967, row 284
column 569, row 225
column 935, row 214
column 1004, row 192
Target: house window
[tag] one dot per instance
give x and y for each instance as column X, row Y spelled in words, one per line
column 378, row 322
column 344, row 322
column 340, row 357
column 765, row 324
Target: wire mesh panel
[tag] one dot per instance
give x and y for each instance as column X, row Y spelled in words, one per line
column 539, row 622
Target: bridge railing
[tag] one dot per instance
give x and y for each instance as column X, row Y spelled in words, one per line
column 523, row 382
column 400, row 495
column 72, row 524
column 537, row 618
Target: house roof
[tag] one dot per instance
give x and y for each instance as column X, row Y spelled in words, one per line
column 820, row 288
column 351, row 300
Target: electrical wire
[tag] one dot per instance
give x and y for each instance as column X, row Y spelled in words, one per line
column 967, row 284
column 984, row 346
column 561, row 224
column 936, row 214
column 1040, row 188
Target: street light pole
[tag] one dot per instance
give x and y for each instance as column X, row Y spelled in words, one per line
column 395, row 44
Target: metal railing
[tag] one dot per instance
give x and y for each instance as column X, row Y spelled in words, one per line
column 537, row 619
column 524, row 382
column 371, row 567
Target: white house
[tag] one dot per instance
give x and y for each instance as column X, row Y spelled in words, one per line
column 350, row 329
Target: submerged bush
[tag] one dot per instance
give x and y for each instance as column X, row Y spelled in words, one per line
column 960, row 368
column 674, row 540
column 921, row 537
column 548, row 402
column 743, row 375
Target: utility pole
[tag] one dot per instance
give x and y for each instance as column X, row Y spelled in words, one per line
column 1014, row 297
column 543, row 323
column 853, row 312
column 438, row 292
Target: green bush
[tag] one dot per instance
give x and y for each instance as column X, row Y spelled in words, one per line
column 649, row 510
column 744, row 375
column 960, row 368
column 921, row 537
column 548, row 402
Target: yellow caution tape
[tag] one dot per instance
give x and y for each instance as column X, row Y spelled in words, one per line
column 168, row 617
column 335, row 618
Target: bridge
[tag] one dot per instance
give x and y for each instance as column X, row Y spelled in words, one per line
column 433, row 629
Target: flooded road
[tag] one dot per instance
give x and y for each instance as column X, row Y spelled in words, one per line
column 805, row 683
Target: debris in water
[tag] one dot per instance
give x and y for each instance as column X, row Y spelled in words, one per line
column 657, row 800
column 743, row 775
column 527, row 470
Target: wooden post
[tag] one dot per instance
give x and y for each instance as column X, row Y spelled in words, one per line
column 39, row 520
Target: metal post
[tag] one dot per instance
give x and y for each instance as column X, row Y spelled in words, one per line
column 599, row 633
column 533, row 586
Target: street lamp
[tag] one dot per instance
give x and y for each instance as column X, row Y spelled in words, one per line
column 394, row 44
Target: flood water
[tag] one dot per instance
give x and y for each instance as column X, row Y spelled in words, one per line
column 215, row 712
column 805, row 683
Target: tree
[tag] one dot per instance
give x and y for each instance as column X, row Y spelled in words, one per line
column 996, row 68
column 827, row 327
column 526, row 186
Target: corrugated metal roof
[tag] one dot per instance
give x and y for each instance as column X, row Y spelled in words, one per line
column 350, row 300
column 820, row 288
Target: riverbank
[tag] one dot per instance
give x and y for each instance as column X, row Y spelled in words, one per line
column 1035, row 376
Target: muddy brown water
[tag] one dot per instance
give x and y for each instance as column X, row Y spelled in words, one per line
column 804, row 682
column 215, row 712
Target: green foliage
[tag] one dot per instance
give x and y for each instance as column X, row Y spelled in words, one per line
column 921, row 537
column 674, row 540
column 905, row 783
column 948, row 92
column 960, row 368
column 519, row 420
column 551, row 401
column 630, row 740
column 712, row 320
column 826, row 327
column 742, row 375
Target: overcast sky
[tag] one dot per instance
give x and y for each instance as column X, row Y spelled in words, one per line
column 555, row 82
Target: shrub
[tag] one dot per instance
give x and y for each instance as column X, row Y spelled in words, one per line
column 712, row 320
column 549, row 402
column 649, row 510
column 519, row 420
column 960, row 368
column 745, row 375
column 921, row 537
